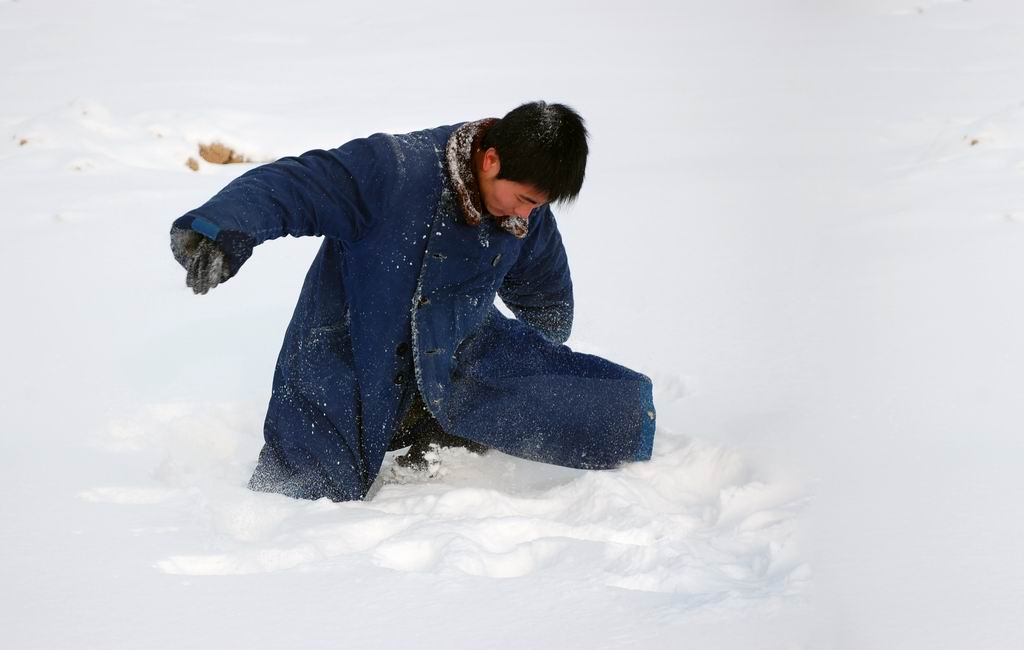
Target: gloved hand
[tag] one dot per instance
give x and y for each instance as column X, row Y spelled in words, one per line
column 208, row 261
column 202, row 259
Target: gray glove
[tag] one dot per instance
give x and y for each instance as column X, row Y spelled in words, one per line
column 204, row 261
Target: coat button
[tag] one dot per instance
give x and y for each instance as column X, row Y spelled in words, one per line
column 399, row 378
column 497, row 258
column 423, row 301
column 402, row 349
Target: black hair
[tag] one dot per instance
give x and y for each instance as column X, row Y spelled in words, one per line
column 544, row 145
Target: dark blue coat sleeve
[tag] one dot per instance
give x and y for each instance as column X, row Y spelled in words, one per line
column 538, row 288
column 333, row 193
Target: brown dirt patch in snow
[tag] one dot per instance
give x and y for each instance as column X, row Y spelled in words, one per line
column 220, row 154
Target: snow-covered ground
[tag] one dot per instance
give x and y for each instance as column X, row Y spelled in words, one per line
column 804, row 222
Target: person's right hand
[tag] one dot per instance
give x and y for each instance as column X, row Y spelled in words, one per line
column 205, row 261
column 204, row 264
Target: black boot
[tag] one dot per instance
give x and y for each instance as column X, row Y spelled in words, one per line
column 422, row 431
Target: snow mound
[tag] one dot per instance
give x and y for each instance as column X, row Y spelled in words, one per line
column 985, row 143
column 960, row 172
column 87, row 136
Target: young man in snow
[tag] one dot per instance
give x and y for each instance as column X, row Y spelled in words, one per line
column 395, row 339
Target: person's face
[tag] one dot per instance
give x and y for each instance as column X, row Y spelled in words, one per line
column 505, row 198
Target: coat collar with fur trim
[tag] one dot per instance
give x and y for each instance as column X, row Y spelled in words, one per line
column 459, row 154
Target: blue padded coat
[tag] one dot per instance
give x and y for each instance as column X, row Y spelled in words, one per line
column 401, row 296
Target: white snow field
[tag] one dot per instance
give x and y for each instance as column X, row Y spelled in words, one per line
column 805, row 221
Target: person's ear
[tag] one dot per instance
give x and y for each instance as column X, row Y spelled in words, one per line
column 491, row 163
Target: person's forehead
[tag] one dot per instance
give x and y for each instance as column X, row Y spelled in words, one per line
column 530, row 192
